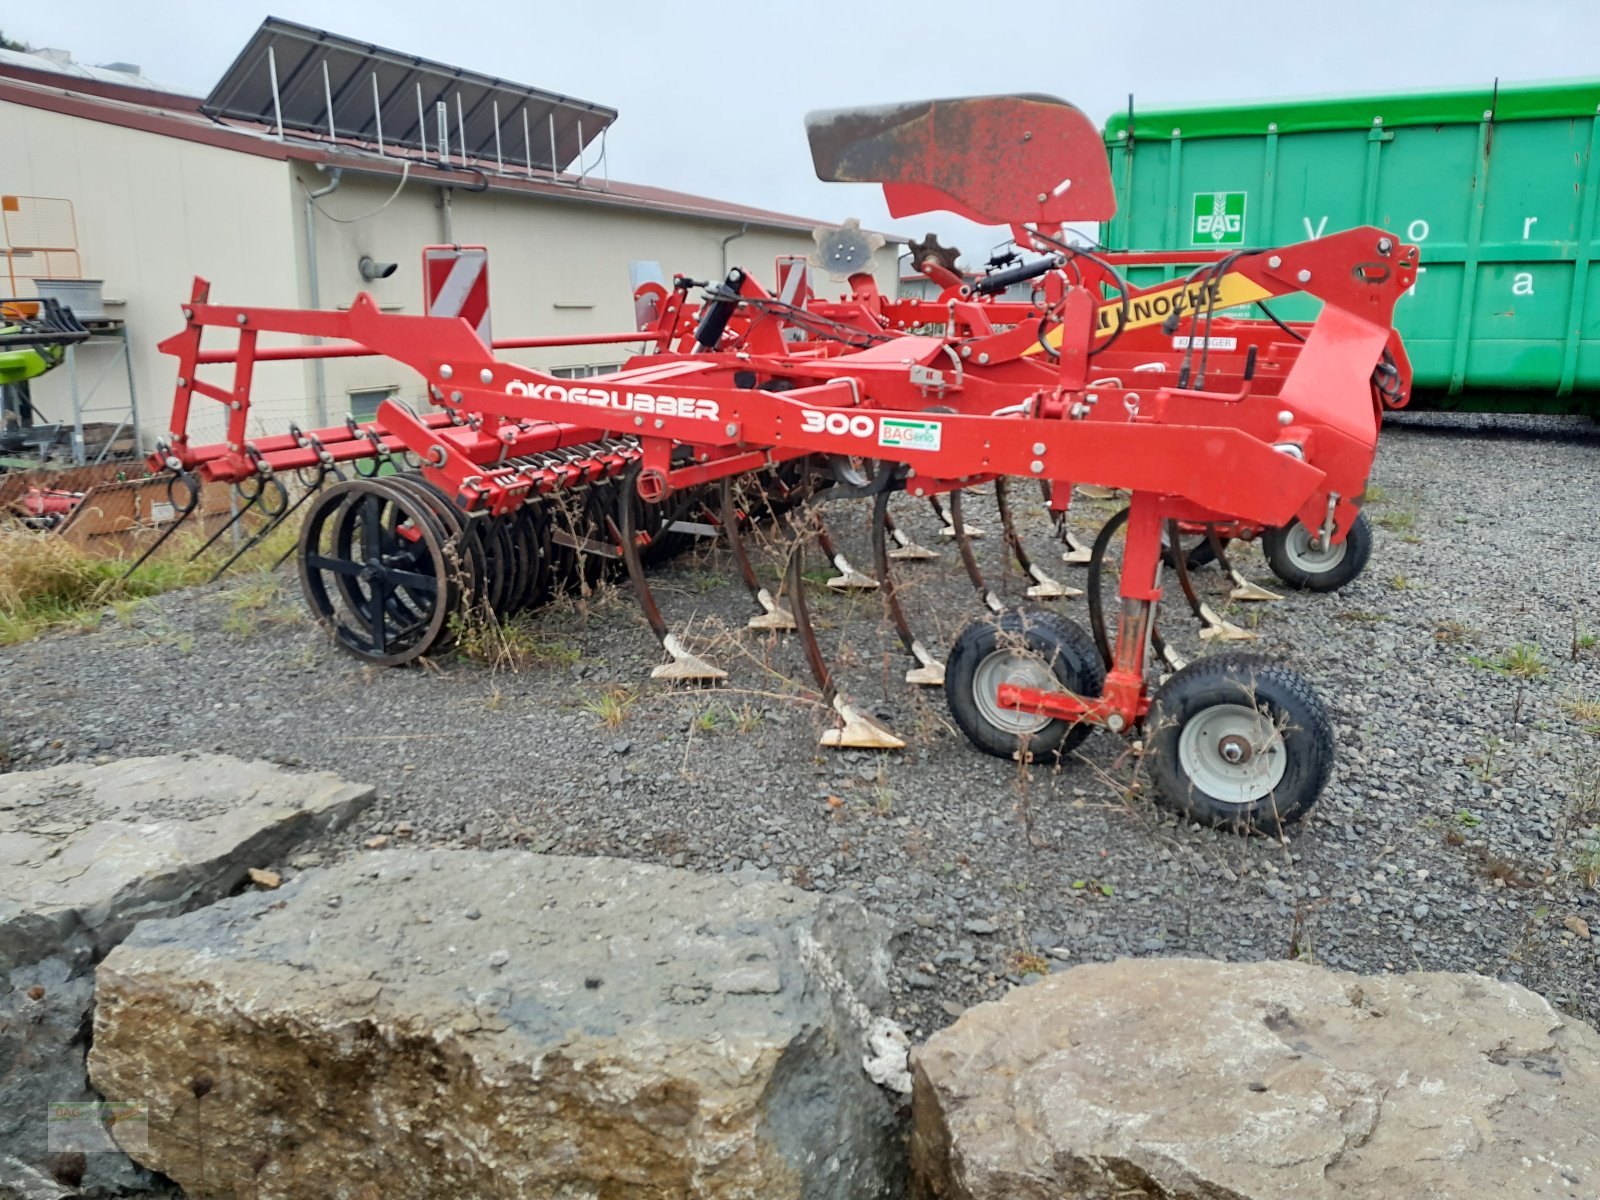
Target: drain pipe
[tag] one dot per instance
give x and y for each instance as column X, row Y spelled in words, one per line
column 447, row 225
column 315, row 289
column 743, row 229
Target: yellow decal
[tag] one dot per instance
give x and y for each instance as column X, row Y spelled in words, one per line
column 1155, row 305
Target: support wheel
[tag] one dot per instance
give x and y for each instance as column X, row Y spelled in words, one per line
column 1240, row 742
column 1325, row 569
column 1031, row 648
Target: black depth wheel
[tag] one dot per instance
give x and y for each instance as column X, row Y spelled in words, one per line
column 373, row 570
column 1239, row 741
column 1028, row 647
column 1292, row 559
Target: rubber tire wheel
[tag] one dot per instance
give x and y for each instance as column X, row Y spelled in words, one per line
column 1199, row 555
column 1358, row 549
column 1270, row 687
column 1062, row 643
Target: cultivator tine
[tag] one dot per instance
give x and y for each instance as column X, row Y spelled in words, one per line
column 929, row 671
column 184, row 512
column 947, row 526
column 858, row 731
column 1043, row 587
column 1091, row 491
column 1243, row 589
column 962, row 533
column 848, row 579
column 905, row 549
column 273, row 521
column 772, row 616
column 685, row 666
column 1213, row 627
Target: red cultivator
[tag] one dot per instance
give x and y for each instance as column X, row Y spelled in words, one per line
column 750, row 404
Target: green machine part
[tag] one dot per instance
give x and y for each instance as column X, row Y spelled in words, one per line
column 28, row 362
column 1497, row 185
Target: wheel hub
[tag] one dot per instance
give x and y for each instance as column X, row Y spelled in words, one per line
column 1021, row 670
column 1235, row 749
column 1233, row 753
column 1310, row 552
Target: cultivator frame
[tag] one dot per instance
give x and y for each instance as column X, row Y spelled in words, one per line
column 751, row 403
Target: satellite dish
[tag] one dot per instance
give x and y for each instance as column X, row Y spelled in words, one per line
column 845, row 251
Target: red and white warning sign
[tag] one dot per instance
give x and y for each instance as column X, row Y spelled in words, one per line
column 455, row 283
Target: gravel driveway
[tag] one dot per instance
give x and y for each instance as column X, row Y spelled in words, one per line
column 1463, row 811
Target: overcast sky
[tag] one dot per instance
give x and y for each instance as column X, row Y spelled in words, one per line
column 712, row 96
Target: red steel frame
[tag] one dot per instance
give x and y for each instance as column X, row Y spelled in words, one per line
column 1293, row 440
column 959, row 391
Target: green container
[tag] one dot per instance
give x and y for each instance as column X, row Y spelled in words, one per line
column 1497, row 185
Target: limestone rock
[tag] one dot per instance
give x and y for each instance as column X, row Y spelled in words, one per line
column 85, row 852
column 459, row 1023
column 1184, row 1079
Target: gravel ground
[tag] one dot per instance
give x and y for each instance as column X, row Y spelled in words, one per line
column 1453, row 835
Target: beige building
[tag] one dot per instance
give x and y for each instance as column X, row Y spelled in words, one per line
column 162, row 192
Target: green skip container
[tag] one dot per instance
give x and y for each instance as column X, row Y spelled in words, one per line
column 1497, row 185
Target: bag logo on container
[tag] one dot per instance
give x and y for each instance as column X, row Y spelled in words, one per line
column 1218, row 219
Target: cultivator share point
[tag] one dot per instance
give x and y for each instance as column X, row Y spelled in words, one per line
column 751, row 407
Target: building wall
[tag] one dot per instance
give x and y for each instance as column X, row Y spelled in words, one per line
column 152, row 212
column 555, row 267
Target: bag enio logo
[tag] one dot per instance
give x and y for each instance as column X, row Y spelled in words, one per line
column 1218, row 219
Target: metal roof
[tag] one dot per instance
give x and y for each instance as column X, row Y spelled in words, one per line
column 291, row 76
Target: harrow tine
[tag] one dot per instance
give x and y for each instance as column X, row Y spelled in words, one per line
column 273, row 521
column 848, row 579
column 906, row 550
column 859, row 731
column 685, row 666
column 1243, row 589
column 194, row 485
column 772, row 615
column 949, row 529
column 232, row 521
column 312, row 489
column 1213, row 627
column 962, row 532
column 1043, row 587
column 929, row 671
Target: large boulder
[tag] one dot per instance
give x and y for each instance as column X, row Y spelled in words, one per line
column 1213, row 1081
column 424, row 1024
column 85, row 853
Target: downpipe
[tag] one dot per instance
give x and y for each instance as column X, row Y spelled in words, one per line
column 320, row 372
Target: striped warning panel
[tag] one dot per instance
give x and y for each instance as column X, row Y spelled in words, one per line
column 456, row 284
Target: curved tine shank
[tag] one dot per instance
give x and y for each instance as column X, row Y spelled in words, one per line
column 1212, row 626
column 1043, row 587
column 772, row 615
column 684, row 665
column 858, row 731
column 963, row 538
column 1243, row 589
column 929, row 671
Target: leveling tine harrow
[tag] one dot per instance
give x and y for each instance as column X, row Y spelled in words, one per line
column 751, row 407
